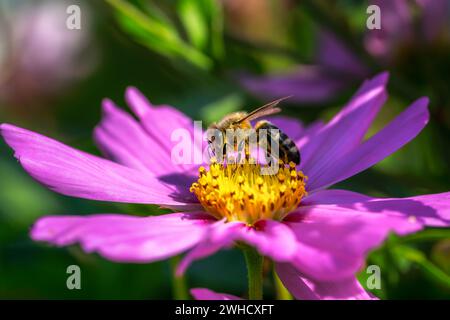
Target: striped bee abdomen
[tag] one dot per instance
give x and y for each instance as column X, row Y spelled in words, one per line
column 288, row 151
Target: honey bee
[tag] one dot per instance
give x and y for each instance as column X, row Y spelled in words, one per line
column 288, row 151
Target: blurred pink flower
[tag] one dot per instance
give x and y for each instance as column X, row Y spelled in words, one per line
column 301, row 288
column 206, row 294
column 41, row 56
column 317, row 247
column 401, row 29
column 336, row 67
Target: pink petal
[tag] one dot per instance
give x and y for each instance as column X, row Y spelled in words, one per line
column 220, row 235
column 334, row 197
column 123, row 238
column 333, row 240
column 206, row 294
column 271, row 238
column 76, row 173
column 333, row 54
column 122, row 139
column 346, row 130
column 435, row 14
column 397, row 29
column 309, row 133
column 161, row 121
column 431, row 210
column 306, row 289
column 394, row 136
column 307, row 84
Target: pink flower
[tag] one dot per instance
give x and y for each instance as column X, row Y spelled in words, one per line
column 206, row 294
column 317, row 247
column 337, row 68
column 304, row 289
column 42, row 56
column 406, row 23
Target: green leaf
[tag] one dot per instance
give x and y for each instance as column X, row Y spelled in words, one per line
column 215, row 12
column 194, row 21
column 157, row 34
column 203, row 21
column 440, row 255
column 431, row 270
column 427, row 235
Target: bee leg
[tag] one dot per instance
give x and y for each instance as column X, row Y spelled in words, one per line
column 239, row 153
column 263, row 143
column 247, row 152
column 269, row 157
column 224, row 153
column 286, row 158
column 270, row 141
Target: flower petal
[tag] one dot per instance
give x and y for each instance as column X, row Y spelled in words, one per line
column 124, row 238
column 306, row 289
column 431, row 210
column 220, row 235
column 309, row 133
column 308, row 84
column 346, row 130
column 333, row 54
column 75, row 173
column 206, row 294
column 397, row 30
column 334, row 197
column 434, row 17
column 123, row 140
column 271, row 238
column 161, row 121
column 394, row 136
column 333, row 240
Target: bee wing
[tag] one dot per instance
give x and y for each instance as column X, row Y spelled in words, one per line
column 265, row 110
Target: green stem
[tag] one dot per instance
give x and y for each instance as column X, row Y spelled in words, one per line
column 179, row 285
column 254, row 263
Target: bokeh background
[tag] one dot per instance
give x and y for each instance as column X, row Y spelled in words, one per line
column 208, row 58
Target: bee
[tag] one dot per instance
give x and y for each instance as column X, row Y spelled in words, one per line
column 288, row 151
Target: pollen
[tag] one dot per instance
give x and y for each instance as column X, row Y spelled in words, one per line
column 241, row 192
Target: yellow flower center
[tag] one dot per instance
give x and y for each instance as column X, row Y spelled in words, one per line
column 240, row 192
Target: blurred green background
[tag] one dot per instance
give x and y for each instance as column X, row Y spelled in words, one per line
column 192, row 54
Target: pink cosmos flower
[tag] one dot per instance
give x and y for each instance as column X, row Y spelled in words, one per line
column 336, row 67
column 317, row 237
column 206, row 294
column 306, row 290
column 42, row 57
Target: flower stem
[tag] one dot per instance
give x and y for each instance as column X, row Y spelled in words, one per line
column 254, row 263
column 179, row 286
